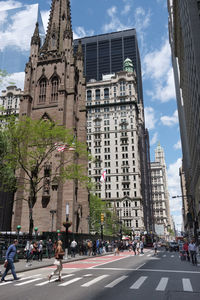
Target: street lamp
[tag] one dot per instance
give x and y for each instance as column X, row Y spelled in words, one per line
column 36, row 230
column 18, row 230
column 52, row 212
column 58, row 234
column 67, row 224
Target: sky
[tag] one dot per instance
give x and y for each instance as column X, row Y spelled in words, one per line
column 91, row 17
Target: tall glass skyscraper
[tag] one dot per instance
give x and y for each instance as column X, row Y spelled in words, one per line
column 105, row 54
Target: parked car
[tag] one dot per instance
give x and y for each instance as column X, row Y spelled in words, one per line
column 173, row 246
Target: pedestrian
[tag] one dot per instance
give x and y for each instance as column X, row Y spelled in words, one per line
column 141, row 247
column 155, row 246
column 73, row 248
column 138, row 247
column 28, row 249
column 185, row 248
column 49, row 248
column 35, row 251
column 9, row 262
column 59, row 253
column 40, row 250
column 134, row 246
column 193, row 252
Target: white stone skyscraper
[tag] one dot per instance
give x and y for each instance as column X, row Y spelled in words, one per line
column 160, row 192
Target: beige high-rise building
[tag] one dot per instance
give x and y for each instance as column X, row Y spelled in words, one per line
column 10, row 101
column 114, row 118
column 161, row 209
column 55, row 88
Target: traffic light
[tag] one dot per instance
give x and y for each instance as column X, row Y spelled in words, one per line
column 102, row 217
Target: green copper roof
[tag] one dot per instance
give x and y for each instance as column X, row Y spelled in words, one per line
column 128, row 65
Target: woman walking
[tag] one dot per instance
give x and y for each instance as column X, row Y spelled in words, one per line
column 59, row 253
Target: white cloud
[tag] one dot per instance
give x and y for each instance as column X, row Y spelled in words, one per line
column 81, row 32
column 9, row 4
column 157, row 67
column 115, row 23
column 177, row 146
column 14, row 79
column 18, row 33
column 150, row 119
column 141, row 22
column 126, row 9
column 170, row 121
column 154, row 139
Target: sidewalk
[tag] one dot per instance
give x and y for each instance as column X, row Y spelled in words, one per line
column 21, row 265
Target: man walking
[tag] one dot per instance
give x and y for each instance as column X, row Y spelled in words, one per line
column 193, row 252
column 10, row 256
column 49, row 248
column 73, row 248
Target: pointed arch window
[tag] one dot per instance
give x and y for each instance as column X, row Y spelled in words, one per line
column 43, row 90
column 54, row 89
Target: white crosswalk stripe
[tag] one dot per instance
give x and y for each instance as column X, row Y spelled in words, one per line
column 116, row 281
column 187, row 287
column 70, row 281
column 52, row 280
column 23, row 278
column 162, row 284
column 94, row 280
column 29, row 281
column 138, row 283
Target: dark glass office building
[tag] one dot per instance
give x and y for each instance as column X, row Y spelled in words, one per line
column 105, row 54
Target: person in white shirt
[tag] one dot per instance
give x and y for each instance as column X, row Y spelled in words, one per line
column 155, row 246
column 73, row 248
column 193, row 252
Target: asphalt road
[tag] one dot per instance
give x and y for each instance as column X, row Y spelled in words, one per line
column 162, row 277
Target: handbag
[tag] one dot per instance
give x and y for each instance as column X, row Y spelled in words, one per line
column 5, row 264
column 56, row 262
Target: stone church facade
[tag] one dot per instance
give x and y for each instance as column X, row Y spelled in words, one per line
column 55, row 88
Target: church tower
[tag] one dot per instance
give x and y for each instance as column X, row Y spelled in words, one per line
column 55, row 88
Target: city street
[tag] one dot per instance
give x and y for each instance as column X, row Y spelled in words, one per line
column 111, row 277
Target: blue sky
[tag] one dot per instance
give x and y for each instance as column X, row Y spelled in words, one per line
column 150, row 18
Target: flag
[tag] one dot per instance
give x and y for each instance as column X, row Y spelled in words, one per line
column 61, row 148
column 103, row 176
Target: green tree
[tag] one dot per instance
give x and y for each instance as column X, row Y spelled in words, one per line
column 33, row 144
column 111, row 224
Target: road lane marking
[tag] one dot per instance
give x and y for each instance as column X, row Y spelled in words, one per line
column 149, row 254
column 26, row 282
column 138, row 283
column 172, row 255
column 108, row 262
column 94, row 281
column 140, row 266
column 23, row 278
column 164, row 255
column 162, row 284
column 148, row 270
column 46, row 282
column 116, row 281
column 187, row 287
column 70, row 281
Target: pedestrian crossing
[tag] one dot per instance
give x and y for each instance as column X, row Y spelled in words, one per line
column 160, row 284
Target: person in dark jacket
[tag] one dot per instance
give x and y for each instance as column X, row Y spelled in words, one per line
column 10, row 256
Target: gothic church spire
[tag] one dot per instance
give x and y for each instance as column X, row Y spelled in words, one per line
column 59, row 26
column 35, row 40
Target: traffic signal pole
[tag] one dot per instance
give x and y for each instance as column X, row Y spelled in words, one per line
column 102, row 221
